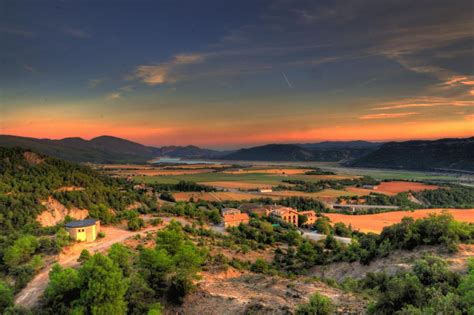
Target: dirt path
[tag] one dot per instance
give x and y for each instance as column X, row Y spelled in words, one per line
column 31, row 294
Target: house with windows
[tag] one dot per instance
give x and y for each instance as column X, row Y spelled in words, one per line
column 286, row 214
column 83, row 230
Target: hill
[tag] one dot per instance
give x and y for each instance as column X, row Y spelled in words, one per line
column 104, row 149
column 325, row 145
column 272, row 152
column 292, row 152
column 190, row 152
column 443, row 154
column 27, row 179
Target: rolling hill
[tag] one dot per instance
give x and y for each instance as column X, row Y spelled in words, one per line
column 443, row 154
column 103, row 149
column 294, row 152
column 272, row 152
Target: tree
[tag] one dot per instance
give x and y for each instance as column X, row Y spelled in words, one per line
column 122, row 256
column 139, row 295
column 62, row 238
column 85, row 256
column 318, row 305
column 20, row 251
column 103, row 285
column 323, row 226
column 466, row 289
column 341, row 229
column 63, row 288
column 302, row 219
column 6, row 297
column 155, row 264
column 136, row 224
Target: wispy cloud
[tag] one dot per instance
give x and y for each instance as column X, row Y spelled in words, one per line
column 424, row 102
column 113, row 96
column 387, row 115
column 165, row 72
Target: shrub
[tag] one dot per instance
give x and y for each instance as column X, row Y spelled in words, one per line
column 136, row 224
column 317, row 305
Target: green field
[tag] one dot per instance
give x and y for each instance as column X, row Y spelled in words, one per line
column 215, row 177
column 382, row 174
column 274, row 179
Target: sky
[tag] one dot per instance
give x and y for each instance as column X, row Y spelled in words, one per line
column 229, row 74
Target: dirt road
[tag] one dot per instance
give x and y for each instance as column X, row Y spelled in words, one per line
column 31, row 294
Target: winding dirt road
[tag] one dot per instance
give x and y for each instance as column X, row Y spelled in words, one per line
column 30, row 295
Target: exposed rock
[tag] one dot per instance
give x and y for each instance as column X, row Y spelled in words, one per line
column 56, row 212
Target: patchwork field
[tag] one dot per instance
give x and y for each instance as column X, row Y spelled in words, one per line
column 392, row 188
column 396, row 187
column 280, row 171
column 376, row 222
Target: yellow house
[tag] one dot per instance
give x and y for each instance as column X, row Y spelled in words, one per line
column 83, row 230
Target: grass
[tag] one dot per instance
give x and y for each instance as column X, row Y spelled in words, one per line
column 382, row 174
column 215, row 177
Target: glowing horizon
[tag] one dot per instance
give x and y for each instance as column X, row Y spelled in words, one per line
column 256, row 73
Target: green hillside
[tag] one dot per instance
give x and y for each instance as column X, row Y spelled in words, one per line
column 26, row 178
column 443, row 154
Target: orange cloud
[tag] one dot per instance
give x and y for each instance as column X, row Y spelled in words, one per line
column 387, row 116
column 165, row 72
column 424, row 102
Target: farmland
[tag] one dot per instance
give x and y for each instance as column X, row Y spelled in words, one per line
column 376, row 222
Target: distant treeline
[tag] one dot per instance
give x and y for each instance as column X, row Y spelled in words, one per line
column 451, row 196
column 301, row 185
column 182, row 186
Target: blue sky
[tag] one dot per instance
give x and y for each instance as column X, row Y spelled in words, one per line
column 237, row 73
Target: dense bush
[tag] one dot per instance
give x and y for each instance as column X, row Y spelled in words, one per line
column 317, row 305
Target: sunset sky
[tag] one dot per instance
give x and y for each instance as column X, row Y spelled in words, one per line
column 227, row 74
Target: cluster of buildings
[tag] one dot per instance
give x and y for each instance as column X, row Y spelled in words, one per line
column 234, row 217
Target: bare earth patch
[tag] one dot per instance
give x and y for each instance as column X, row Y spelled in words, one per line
column 56, row 212
column 246, row 293
column 396, row 187
column 376, row 222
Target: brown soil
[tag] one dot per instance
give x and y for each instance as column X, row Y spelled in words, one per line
column 56, row 212
column 69, row 188
column 376, row 222
column 396, row 187
column 234, row 292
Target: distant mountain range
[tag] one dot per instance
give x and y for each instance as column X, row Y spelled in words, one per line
column 328, row 152
column 444, row 154
column 105, row 149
